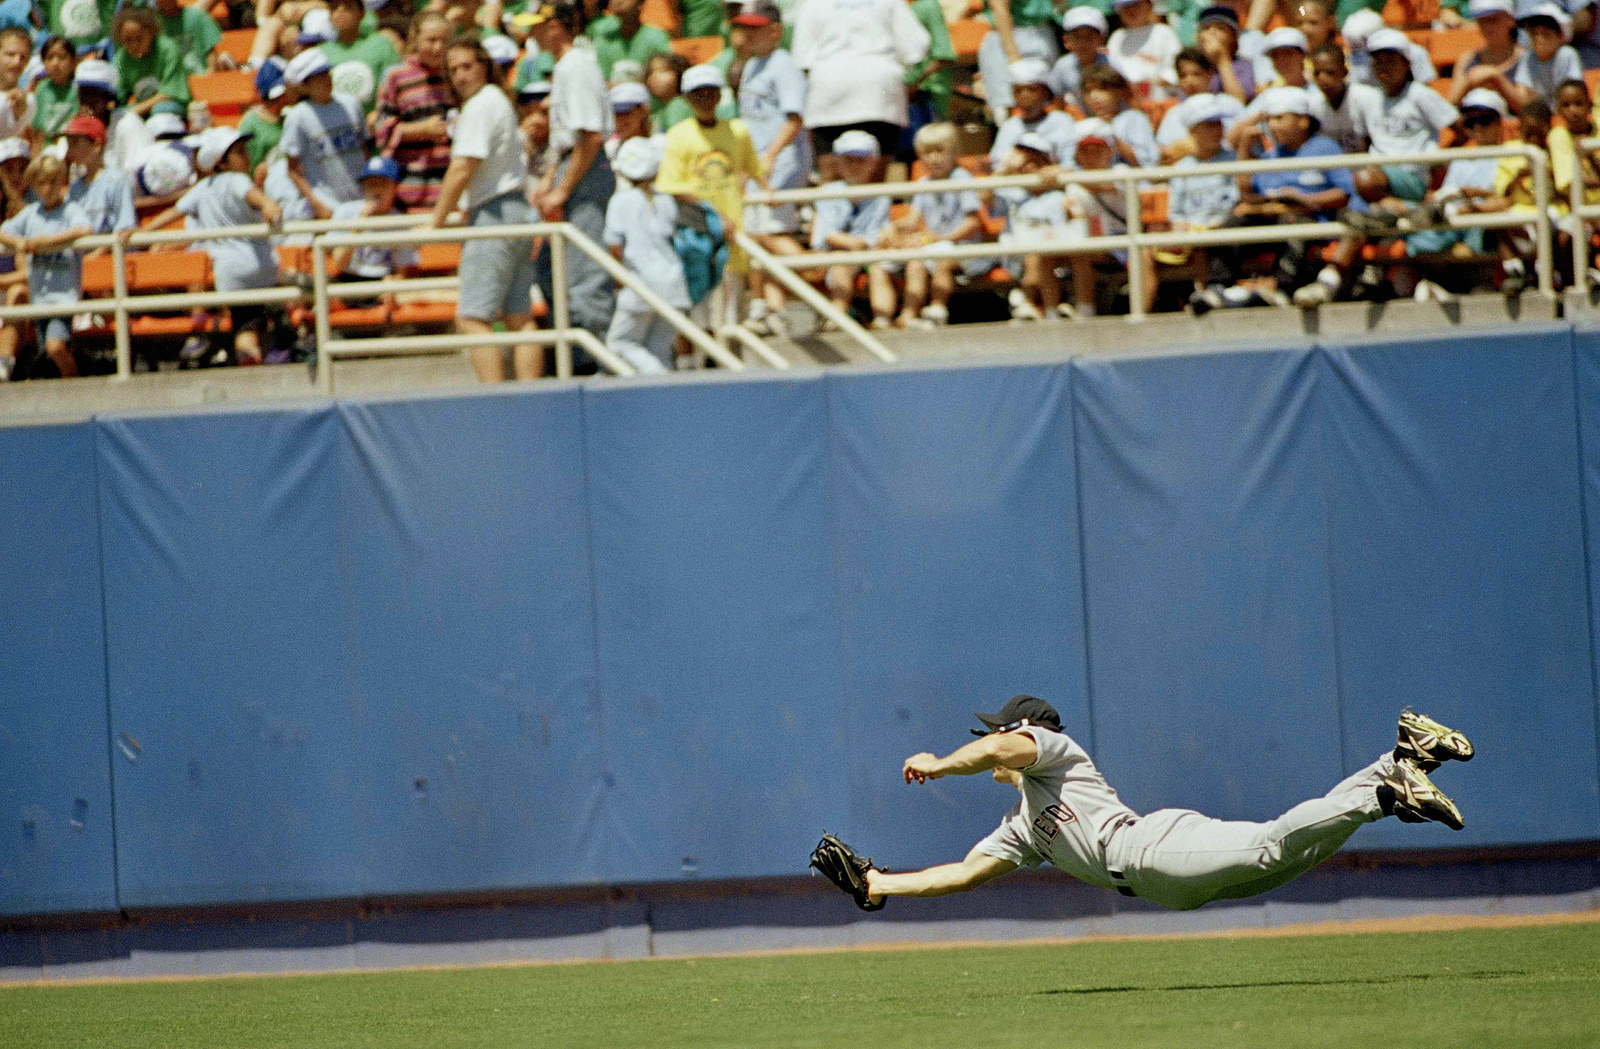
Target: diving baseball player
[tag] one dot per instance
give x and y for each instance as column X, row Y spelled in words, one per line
column 1070, row 816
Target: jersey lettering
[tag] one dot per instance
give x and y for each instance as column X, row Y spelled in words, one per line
column 1050, row 821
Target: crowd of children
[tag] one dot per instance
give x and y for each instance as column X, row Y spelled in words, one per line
column 356, row 115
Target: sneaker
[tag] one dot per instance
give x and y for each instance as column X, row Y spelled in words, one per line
column 881, row 323
column 758, row 325
column 1410, row 796
column 1066, row 311
column 936, row 313
column 1204, row 300
column 1426, row 743
column 196, row 348
column 1312, row 295
column 1021, row 308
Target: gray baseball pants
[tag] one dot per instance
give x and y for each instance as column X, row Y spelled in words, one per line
column 1179, row 859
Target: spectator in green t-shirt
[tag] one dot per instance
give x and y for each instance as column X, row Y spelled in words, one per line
column 620, row 35
column 81, row 21
column 1022, row 29
column 150, row 70
column 663, row 75
column 195, row 33
column 55, row 98
column 358, row 62
column 704, row 18
column 928, row 82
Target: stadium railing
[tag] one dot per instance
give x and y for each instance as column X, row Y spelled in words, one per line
column 1137, row 237
column 324, row 236
column 1581, row 214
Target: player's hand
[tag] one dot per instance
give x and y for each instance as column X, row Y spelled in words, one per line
column 921, row 768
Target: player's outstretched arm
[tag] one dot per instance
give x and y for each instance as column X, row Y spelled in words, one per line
column 942, row 880
column 1012, row 750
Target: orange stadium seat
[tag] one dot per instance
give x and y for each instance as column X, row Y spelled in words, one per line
column 1448, row 46
column 1411, row 14
column 236, row 44
column 434, row 260
column 965, row 36
column 167, row 272
column 227, row 94
column 663, row 14
column 698, row 49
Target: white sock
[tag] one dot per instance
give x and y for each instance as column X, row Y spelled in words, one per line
column 1513, row 267
column 1085, row 309
column 1331, row 276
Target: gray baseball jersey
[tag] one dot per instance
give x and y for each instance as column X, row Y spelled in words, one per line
column 1065, row 810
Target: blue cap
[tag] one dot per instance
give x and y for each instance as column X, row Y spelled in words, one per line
column 269, row 78
column 382, row 167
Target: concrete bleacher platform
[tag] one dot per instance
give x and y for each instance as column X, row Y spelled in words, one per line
column 28, row 402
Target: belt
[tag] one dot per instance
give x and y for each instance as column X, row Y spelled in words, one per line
column 1106, row 833
column 1122, row 883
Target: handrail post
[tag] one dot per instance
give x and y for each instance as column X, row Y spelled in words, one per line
column 1135, row 225
column 119, row 289
column 1545, row 257
column 560, row 312
column 1580, row 231
column 819, row 302
column 319, row 309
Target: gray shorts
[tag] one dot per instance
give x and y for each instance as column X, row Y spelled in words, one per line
column 497, row 275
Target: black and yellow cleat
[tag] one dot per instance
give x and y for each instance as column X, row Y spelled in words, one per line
column 1426, row 743
column 1410, row 796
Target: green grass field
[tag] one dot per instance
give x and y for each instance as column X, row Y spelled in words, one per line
column 1537, row 986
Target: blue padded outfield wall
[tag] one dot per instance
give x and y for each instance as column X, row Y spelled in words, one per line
column 635, row 632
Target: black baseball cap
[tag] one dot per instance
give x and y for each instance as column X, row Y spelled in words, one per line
column 1020, row 711
column 1219, row 13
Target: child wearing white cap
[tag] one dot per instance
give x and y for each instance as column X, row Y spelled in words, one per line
column 1468, row 184
column 684, row 170
column 1203, row 201
column 1489, row 66
column 1357, row 31
column 856, row 225
column 1084, row 32
column 1406, row 117
column 43, row 232
column 1022, row 29
column 1549, row 60
column 1106, row 96
column 1037, row 215
column 951, row 217
column 324, row 136
column 1144, row 49
column 640, row 222
column 227, row 196
column 1030, row 84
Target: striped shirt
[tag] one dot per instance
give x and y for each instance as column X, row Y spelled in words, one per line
column 409, row 93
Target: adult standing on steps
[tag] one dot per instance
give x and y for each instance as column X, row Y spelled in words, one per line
column 579, row 182
column 488, row 167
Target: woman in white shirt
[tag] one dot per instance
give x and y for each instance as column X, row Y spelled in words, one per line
column 855, row 54
column 488, row 166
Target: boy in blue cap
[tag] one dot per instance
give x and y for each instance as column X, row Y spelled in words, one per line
column 379, row 181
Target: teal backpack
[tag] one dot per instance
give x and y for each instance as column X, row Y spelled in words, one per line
column 702, row 246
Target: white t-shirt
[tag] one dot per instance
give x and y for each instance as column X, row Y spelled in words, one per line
column 577, row 100
column 855, row 54
column 1547, row 77
column 1408, row 123
column 126, row 140
column 1147, row 55
column 1065, row 807
column 1342, row 125
column 488, row 131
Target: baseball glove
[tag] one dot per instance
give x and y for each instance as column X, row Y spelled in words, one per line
column 840, row 864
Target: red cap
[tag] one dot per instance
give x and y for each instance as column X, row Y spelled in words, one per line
column 88, row 126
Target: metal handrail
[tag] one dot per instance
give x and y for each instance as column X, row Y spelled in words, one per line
column 1135, row 237
column 1581, row 212
column 771, row 264
column 555, row 230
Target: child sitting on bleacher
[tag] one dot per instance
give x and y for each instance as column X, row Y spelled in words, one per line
column 1106, row 96
column 227, row 196
column 640, row 223
column 1491, row 65
column 856, row 225
column 195, row 33
column 1468, row 184
column 1202, row 201
column 1143, row 49
column 1104, row 206
column 42, row 232
column 1035, row 216
column 950, row 217
column 1358, row 31
column 1218, row 39
column 1549, row 60
column 1568, row 161
column 379, row 183
column 1513, row 180
column 150, row 68
column 1195, row 72
column 1083, row 33
column 55, row 96
column 1030, row 87
column 105, row 194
